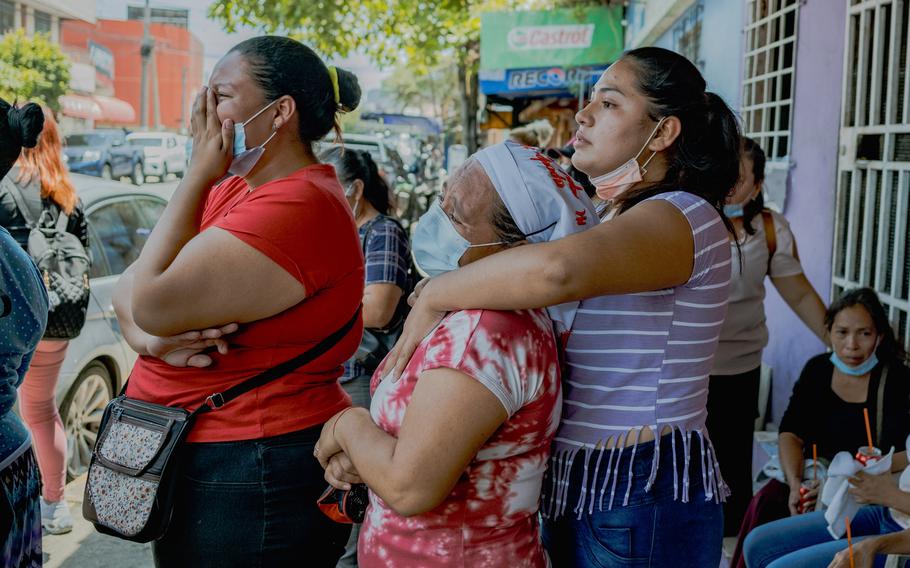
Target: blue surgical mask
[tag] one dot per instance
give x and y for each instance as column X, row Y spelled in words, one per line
column 733, row 210
column 244, row 160
column 437, row 246
column 858, row 371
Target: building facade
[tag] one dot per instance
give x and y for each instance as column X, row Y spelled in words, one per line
column 175, row 72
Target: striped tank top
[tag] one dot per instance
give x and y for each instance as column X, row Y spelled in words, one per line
column 643, row 359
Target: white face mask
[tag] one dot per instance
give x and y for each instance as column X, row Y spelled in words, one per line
column 613, row 184
column 245, row 159
column 437, row 246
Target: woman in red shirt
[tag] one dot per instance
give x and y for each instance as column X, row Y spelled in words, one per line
column 274, row 249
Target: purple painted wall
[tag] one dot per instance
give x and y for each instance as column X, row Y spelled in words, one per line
column 811, row 195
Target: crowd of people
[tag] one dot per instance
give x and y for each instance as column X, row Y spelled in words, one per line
column 576, row 384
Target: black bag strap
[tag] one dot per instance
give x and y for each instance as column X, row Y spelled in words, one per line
column 62, row 221
column 770, row 236
column 19, row 200
column 219, row 399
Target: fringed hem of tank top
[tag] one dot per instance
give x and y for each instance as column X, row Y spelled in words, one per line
column 604, row 495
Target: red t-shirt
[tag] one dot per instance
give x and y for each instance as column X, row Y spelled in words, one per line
column 303, row 223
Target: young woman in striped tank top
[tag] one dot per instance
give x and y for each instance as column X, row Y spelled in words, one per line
column 653, row 283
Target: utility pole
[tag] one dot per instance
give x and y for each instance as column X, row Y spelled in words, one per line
column 146, row 52
column 183, row 124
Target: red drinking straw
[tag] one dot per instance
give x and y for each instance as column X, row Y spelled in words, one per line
column 849, row 541
column 814, row 462
column 868, row 429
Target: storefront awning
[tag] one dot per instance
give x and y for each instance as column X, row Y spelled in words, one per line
column 98, row 108
column 540, row 81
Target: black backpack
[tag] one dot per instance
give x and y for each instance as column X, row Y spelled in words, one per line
column 63, row 263
column 376, row 343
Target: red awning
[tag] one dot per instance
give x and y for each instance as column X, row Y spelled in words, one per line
column 116, row 111
column 79, row 106
column 98, row 108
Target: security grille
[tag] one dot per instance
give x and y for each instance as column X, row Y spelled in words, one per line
column 769, row 71
column 872, row 233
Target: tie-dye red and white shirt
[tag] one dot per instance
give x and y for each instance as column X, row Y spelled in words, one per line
column 490, row 518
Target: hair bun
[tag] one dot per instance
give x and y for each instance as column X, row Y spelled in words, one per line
column 25, row 124
column 348, row 90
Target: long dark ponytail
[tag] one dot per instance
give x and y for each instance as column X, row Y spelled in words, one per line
column 704, row 159
column 358, row 164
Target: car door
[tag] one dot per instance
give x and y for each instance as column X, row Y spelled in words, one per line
column 120, row 229
column 121, row 155
column 172, row 154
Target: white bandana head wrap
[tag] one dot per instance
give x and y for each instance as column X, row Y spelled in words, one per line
column 544, row 201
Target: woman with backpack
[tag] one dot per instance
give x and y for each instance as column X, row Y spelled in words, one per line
column 763, row 246
column 387, row 253
column 39, row 186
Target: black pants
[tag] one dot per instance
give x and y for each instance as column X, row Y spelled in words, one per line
column 249, row 504
column 732, row 410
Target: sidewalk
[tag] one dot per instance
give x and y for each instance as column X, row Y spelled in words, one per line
column 86, row 548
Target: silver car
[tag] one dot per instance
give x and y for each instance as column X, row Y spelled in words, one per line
column 120, row 219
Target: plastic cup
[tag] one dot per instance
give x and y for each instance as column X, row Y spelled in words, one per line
column 804, row 488
column 868, row 456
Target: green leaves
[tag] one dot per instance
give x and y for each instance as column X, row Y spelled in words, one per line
column 32, row 69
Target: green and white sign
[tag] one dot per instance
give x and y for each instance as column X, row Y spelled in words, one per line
column 567, row 38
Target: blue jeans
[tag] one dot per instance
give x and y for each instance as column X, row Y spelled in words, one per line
column 653, row 530
column 249, row 504
column 803, row 541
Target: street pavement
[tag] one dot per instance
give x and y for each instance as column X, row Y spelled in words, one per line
column 84, row 547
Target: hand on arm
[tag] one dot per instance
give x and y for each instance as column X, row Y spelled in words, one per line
column 623, row 255
column 449, row 418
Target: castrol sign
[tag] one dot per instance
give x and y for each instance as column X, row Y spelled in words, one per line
column 528, row 38
column 564, row 38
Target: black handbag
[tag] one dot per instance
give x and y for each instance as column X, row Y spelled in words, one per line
column 132, row 476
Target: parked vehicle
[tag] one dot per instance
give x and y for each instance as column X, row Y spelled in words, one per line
column 386, row 157
column 120, row 219
column 164, row 153
column 105, row 154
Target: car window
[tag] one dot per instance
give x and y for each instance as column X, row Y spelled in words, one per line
column 99, row 262
column 151, row 211
column 146, row 142
column 92, row 139
column 121, row 232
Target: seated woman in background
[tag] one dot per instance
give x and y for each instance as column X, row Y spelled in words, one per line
column 455, row 451
column 826, row 409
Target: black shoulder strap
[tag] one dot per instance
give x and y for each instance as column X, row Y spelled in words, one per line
column 770, row 236
column 219, row 399
column 62, row 220
column 19, row 200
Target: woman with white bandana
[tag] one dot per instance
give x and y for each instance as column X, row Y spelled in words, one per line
column 454, row 453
